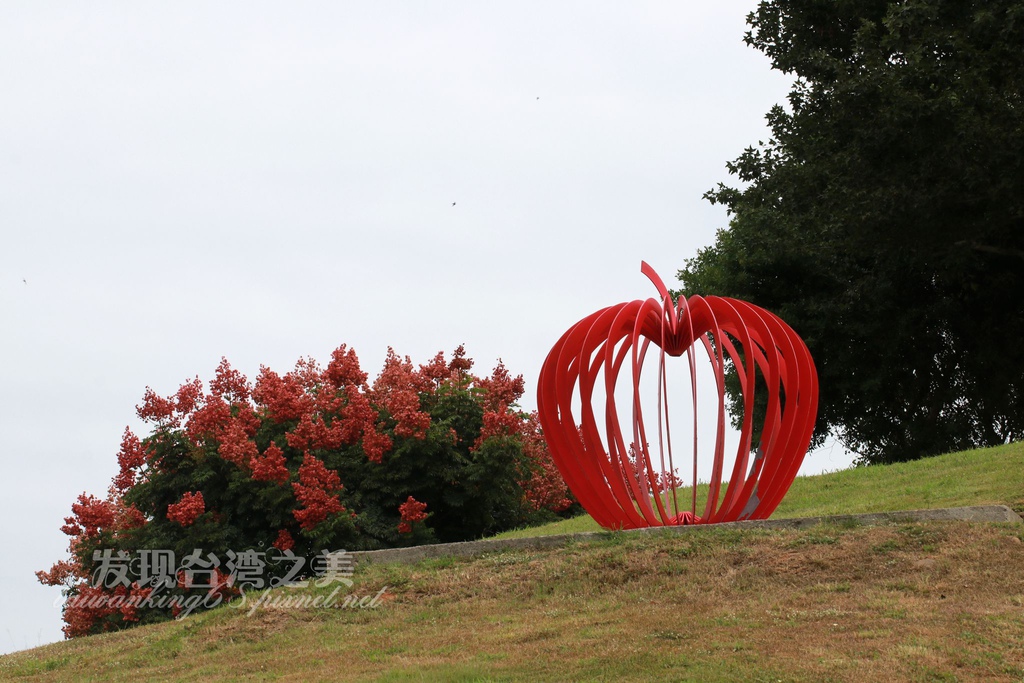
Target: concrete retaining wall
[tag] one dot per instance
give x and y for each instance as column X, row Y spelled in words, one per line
column 979, row 513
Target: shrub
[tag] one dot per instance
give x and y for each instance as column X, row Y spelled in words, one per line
column 245, row 485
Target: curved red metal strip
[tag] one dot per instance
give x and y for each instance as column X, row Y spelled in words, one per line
column 619, row 483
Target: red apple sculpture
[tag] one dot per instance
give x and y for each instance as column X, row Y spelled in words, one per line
column 613, row 475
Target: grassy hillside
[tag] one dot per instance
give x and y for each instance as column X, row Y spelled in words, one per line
column 990, row 475
column 908, row 602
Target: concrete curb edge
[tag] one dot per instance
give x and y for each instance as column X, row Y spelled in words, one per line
column 976, row 513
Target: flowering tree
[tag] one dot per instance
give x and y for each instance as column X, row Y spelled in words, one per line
column 290, row 465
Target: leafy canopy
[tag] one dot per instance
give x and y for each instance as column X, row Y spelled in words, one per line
column 884, row 218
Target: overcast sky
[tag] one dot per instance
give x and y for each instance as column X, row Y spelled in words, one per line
column 266, row 181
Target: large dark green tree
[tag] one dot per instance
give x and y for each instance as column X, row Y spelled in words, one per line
column 884, row 218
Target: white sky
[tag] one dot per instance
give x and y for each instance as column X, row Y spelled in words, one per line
column 265, row 181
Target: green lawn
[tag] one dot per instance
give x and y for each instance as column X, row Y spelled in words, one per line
column 990, row 475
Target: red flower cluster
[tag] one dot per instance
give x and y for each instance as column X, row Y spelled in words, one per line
column 157, row 409
column 130, row 459
column 499, row 423
column 344, row 370
column 229, row 384
column 501, row 390
column 209, row 421
column 375, row 445
column 411, row 511
column 127, row 517
column 460, row 364
column 87, row 605
column 130, row 608
column 90, row 516
column 436, row 371
column 168, row 412
column 397, row 389
column 284, row 541
column 544, row 488
column 316, row 491
column 236, row 446
column 186, row 510
column 79, row 618
column 331, row 407
column 284, row 398
column 91, row 604
column 60, row 573
column 270, row 467
column 542, row 485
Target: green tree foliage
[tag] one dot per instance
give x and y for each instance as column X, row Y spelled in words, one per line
column 884, row 218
